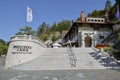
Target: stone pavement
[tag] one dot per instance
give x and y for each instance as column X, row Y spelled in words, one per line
column 82, row 74
column 2, row 62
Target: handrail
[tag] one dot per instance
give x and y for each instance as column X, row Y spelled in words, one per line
column 71, row 54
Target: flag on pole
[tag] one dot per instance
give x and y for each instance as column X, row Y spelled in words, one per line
column 117, row 14
column 29, row 14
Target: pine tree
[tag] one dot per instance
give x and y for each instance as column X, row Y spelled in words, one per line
column 108, row 5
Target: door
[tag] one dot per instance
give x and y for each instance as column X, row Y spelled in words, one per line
column 88, row 41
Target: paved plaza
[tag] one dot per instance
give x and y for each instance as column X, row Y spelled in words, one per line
column 87, row 74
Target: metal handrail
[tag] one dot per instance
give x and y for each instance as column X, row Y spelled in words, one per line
column 71, row 54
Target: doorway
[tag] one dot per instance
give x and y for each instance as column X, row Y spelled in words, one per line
column 88, row 41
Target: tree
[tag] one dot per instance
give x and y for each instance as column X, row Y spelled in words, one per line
column 2, row 42
column 118, row 2
column 42, row 29
column 3, row 47
column 54, row 27
column 64, row 25
column 54, row 38
column 26, row 30
column 43, row 37
column 97, row 13
column 43, row 32
column 108, row 5
column 113, row 10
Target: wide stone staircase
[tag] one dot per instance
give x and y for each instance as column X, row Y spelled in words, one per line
column 52, row 58
column 63, row 58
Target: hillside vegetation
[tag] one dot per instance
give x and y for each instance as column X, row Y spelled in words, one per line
column 46, row 32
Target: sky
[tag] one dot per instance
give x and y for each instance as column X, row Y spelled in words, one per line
column 13, row 13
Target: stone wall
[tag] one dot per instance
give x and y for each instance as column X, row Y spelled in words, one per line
column 21, row 51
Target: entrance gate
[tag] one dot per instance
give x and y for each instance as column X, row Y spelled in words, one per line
column 88, row 41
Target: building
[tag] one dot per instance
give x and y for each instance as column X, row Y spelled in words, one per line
column 88, row 32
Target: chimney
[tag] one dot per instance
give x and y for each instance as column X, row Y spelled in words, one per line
column 82, row 15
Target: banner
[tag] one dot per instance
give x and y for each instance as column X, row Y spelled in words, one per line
column 29, row 14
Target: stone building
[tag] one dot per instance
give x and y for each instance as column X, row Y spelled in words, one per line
column 88, row 32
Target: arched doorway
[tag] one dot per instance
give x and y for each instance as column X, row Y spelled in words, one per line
column 88, row 41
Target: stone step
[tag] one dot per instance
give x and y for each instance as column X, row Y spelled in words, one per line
column 53, row 59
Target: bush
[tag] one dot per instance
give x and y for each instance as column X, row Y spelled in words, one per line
column 3, row 49
column 54, row 38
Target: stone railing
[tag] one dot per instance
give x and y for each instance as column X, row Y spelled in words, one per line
column 27, row 38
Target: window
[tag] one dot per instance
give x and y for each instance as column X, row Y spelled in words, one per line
column 101, row 37
column 98, row 20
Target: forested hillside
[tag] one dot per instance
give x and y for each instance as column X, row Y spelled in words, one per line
column 46, row 32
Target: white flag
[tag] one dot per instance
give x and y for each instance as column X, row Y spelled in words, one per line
column 29, row 14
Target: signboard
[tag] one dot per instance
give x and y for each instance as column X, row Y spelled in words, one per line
column 22, row 49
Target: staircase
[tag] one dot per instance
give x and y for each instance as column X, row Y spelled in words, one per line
column 52, row 58
column 58, row 58
column 85, row 60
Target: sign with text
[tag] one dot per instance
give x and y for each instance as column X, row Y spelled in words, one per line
column 22, row 49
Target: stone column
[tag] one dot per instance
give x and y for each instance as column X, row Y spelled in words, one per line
column 83, row 40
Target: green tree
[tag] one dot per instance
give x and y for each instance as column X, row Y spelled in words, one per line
column 108, row 5
column 2, row 42
column 113, row 10
column 64, row 25
column 43, row 32
column 26, row 30
column 117, row 2
column 54, row 27
column 43, row 37
column 97, row 13
column 42, row 28
column 54, row 38
column 3, row 47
